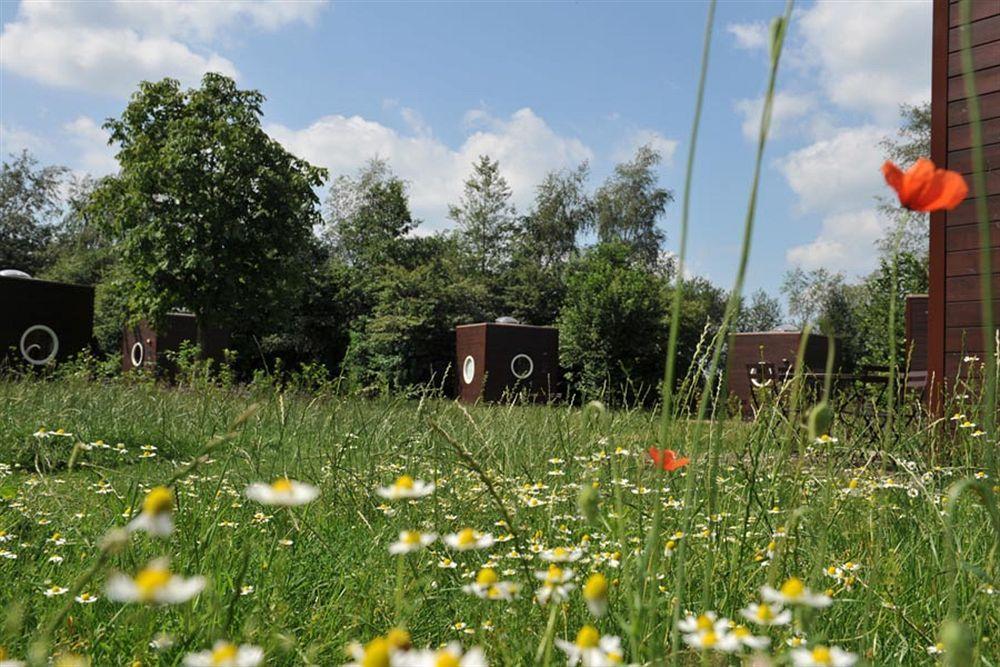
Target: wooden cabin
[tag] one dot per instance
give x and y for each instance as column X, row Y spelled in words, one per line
column 494, row 359
column 954, row 305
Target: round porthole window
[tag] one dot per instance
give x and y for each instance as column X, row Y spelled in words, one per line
column 469, row 369
column 39, row 345
column 522, row 366
column 137, row 354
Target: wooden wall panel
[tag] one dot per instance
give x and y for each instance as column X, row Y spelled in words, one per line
column 955, row 310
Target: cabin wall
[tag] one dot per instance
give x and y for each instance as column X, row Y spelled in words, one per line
column 954, row 307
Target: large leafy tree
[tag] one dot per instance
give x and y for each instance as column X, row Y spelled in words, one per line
column 628, row 206
column 368, row 215
column 612, row 326
column 485, row 217
column 30, row 207
column 762, row 313
column 207, row 212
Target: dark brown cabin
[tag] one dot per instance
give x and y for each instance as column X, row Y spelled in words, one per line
column 765, row 357
column 954, row 304
column 493, row 359
column 915, row 317
column 42, row 322
column 143, row 347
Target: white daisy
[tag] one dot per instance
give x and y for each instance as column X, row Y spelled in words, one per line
column 155, row 583
column 468, row 539
column 156, row 517
column 283, row 492
column 410, row 541
column 591, row 649
column 561, row 555
column 822, row 656
column 794, row 592
column 765, row 614
column 226, row 654
column 405, row 487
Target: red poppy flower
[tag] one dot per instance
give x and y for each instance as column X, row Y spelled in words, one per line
column 923, row 187
column 667, row 459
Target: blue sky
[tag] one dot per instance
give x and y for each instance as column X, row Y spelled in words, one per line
column 537, row 85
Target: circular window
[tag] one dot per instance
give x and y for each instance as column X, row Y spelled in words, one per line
column 522, row 366
column 469, row 369
column 137, row 354
column 39, row 344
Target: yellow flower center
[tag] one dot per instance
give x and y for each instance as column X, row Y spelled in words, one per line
column 709, row 639
column 596, row 587
column 831, row 570
column 282, row 485
column 158, row 501
column 447, row 659
column 487, row 577
column 588, row 637
column 821, row 656
column 554, row 575
column 466, row 537
column 398, row 638
column 793, row 588
column 853, row 484
column 411, row 537
column 764, row 612
column 559, row 552
column 405, row 482
column 376, row 653
column 704, row 623
column 741, row 632
column 223, row 653
column 151, row 580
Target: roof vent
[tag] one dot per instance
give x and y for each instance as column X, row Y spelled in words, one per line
column 507, row 319
column 13, row 273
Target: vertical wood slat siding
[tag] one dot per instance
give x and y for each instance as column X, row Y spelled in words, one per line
column 954, row 306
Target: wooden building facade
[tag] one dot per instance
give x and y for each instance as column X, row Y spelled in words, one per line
column 954, row 305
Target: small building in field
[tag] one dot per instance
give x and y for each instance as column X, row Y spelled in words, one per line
column 760, row 360
column 42, row 322
column 954, row 308
column 145, row 348
column 496, row 359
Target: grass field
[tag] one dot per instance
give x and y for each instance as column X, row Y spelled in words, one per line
column 867, row 527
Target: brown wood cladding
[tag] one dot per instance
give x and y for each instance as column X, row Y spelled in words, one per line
column 954, row 306
column 916, row 331
column 493, row 348
column 779, row 348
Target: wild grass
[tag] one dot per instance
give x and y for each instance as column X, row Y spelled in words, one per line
column 777, row 512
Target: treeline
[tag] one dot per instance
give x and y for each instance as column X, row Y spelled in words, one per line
column 208, row 213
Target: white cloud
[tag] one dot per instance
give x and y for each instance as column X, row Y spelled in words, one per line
column 787, row 107
column 524, row 144
column 95, row 156
column 644, row 137
column 871, row 56
column 13, row 140
column 846, row 243
column 750, row 36
column 109, row 47
column 837, row 173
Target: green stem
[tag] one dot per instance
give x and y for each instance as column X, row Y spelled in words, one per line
column 547, row 637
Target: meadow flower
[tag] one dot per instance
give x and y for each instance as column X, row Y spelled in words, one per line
column 925, row 187
column 154, row 583
column 746, row 638
column 935, row 649
column 447, row 564
column 765, row 614
column 451, row 655
column 156, row 517
column 489, row 587
column 667, row 459
column 822, row 656
column 376, row 653
column 468, row 539
column 283, row 492
column 226, row 654
column 826, row 439
column 87, row 598
column 590, row 649
column 794, row 592
column 406, row 487
column 410, row 541
column 967, row 424
column 595, row 594
column 561, row 555
column 53, row 591
column 708, row 632
column 556, row 584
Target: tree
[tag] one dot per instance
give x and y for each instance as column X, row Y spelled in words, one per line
column 629, row 204
column 485, row 216
column 30, row 206
column 612, row 330
column 872, row 308
column 829, row 304
column 762, row 314
column 533, row 284
column 207, row 212
column 367, row 215
column 908, row 231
